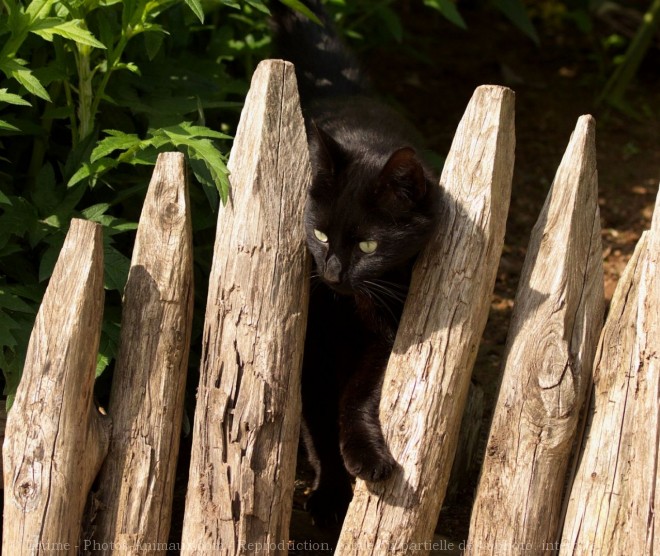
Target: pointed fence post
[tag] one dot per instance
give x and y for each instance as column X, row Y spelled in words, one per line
column 616, row 491
column 245, row 435
column 557, row 317
column 428, row 375
column 55, row 438
column 146, row 402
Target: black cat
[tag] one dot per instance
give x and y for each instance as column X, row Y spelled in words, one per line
column 372, row 206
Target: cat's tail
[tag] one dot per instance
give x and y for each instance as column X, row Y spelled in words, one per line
column 324, row 66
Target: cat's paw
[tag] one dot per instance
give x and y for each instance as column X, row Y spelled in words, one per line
column 369, row 464
column 328, row 505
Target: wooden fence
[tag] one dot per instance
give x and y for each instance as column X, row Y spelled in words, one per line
column 571, row 460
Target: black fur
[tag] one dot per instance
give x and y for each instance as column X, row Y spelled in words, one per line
column 370, row 183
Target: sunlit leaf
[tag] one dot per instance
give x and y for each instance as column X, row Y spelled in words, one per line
column 94, row 169
column 7, row 126
column 196, row 7
column 16, row 69
column 11, row 98
column 116, row 140
column 72, row 29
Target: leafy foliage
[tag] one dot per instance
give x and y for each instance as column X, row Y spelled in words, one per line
column 92, row 90
column 88, row 89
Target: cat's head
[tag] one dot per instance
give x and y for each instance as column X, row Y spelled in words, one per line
column 368, row 212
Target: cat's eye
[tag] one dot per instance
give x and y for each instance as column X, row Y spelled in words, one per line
column 368, row 246
column 321, row 236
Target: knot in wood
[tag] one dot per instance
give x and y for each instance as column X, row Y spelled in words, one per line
column 172, row 211
column 554, row 374
column 26, row 493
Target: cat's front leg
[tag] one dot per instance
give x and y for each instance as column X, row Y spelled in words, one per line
column 361, row 440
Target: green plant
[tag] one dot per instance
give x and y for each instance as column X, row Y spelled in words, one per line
column 87, row 89
column 90, row 92
column 628, row 64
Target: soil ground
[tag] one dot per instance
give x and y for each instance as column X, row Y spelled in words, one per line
column 554, row 83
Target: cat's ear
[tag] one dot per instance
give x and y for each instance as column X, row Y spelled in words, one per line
column 402, row 177
column 325, row 153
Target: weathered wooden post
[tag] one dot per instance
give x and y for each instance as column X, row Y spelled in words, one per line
column 616, row 492
column 428, row 375
column 547, row 365
column 146, row 403
column 55, row 438
column 245, row 434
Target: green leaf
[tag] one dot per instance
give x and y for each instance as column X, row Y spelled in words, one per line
column 231, row 4
column 12, row 365
column 19, row 218
column 130, row 66
column 449, row 10
column 113, row 226
column 298, row 6
column 392, row 22
column 32, row 293
column 13, row 302
column 7, row 126
column 108, row 345
column 93, row 170
column 517, row 14
column 16, row 69
column 207, row 181
column 117, row 140
column 196, row 7
column 202, row 149
column 46, row 196
column 259, row 5
column 38, row 8
column 11, row 98
column 116, row 268
column 7, row 325
column 95, row 211
column 201, row 131
column 73, row 30
column 49, row 258
column 153, row 42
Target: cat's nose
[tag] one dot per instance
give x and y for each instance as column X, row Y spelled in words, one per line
column 332, row 273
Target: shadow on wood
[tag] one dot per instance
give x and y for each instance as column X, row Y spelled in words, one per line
column 614, row 497
column 428, row 374
column 245, row 435
column 547, row 364
column 55, row 437
column 146, row 403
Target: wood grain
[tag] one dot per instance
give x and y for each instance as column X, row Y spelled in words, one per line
column 146, row 402
column 557, row 318
column 55, row 438
column 428, row 375
column 611, row 509
column 247, row 420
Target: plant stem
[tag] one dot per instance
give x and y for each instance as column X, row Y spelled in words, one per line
column 75, row 135
column 625, row 72
column 113, row 59
column 86, row 114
